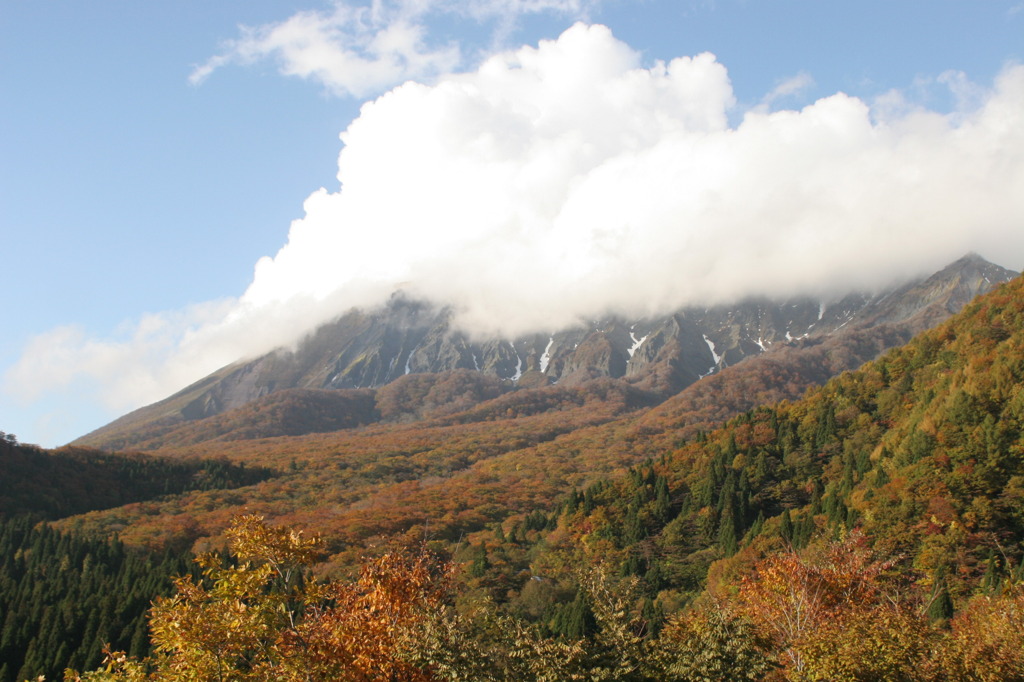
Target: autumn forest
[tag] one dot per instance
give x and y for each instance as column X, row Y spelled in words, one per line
column 450, row 527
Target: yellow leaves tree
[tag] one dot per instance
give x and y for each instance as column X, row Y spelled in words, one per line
column 266, row 618
column 241, row 622
column 712, row 642
column 829, row 613
column 373, row 629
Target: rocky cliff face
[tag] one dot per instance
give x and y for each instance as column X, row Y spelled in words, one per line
column 663, row 355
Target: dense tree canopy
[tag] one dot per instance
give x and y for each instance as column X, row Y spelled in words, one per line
column 830, row 612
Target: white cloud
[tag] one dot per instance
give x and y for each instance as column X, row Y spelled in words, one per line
column 140, row 362
column 788, row 88
column 360, row 50
column 968, row 96
column 568, row 180
column 348, row 50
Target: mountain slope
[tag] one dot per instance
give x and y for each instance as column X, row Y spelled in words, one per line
column 922, row 450
column 520, row 453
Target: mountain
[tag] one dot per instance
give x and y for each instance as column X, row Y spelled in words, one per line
column 920, row 447
column 369, row 349
column 888, row 321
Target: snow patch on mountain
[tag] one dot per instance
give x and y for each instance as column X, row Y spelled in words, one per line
column 711, row 347
column 408, row 359
column 519, row 366
column 545, row 358
column 636, row 342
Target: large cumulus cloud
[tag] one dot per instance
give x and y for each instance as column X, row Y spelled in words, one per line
column 564, row 181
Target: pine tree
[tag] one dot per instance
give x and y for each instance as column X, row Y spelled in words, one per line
column 941, row 605
column 654, row 616
column 826, row 430
column 816, row 497
column 662, row 500
column 633, row 530
column 633, row 565
column 786, row 526
column 992, row 580
column 139, row 646
column 480, row 564
column 727, row 534
column 575, row 620
column 803, row 531
column 836, row 510
column 756, row 527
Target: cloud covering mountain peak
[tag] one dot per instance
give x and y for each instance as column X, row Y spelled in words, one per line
column 571, row 179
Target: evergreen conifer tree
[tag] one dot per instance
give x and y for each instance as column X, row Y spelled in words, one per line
column 941, row 605
column 786, row 526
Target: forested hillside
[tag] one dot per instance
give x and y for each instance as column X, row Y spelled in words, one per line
column 443, row 477
column 63, row 598
column 916, row 459
column 73, row 480
column 870, row 530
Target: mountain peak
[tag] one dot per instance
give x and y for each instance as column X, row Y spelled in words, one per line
column 973, row 261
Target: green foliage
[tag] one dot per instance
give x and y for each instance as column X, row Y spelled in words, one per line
column 940, row 606
column 63, row 597
column 710, row 643
column 574, row 620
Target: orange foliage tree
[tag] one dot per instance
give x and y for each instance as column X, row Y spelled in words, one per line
column 986, row 640
column 832, row 616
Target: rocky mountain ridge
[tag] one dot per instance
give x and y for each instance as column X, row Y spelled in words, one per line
column 367, row 349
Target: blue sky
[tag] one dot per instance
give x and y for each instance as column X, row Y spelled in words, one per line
column 139, row 189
